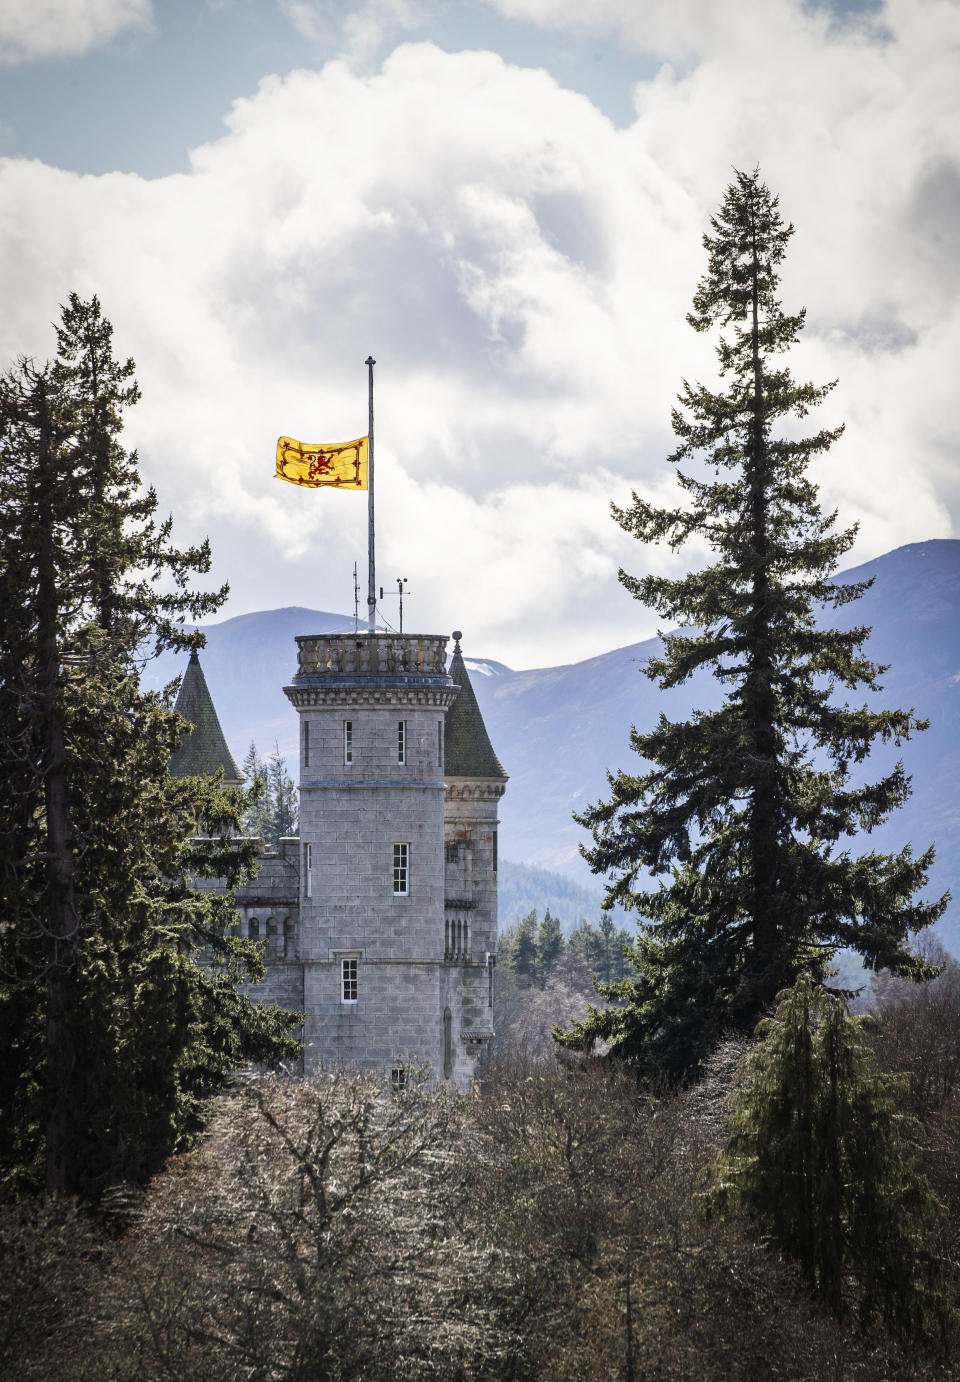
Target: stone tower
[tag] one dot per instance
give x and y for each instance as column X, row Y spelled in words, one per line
column 474, row 783
column 397, row 916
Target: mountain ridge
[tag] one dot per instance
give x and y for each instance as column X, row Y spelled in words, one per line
column 558, row 729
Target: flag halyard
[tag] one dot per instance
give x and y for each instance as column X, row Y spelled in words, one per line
column 342, row 465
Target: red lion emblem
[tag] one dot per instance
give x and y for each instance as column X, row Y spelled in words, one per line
column 320, row 465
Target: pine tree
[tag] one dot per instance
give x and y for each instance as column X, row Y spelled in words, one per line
column 550, row 946
column 519, row 946
column 746, row 812
column 112, row 1030
column 258, row 818
column 283, row 798
column 820, row 1159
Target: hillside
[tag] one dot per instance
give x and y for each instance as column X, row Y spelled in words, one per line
column 558, row 729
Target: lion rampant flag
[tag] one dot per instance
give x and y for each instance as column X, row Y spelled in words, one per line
column 342, row 464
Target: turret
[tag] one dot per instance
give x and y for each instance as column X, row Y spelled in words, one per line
column 475, row 782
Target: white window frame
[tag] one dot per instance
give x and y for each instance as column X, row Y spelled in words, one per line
column 347, row 743
column 398, row 1078
column 401, row 870
column 308, row 870
column 401, row 741
column 349, row 980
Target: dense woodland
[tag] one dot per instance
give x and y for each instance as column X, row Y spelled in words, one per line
column 556, row 1225
column 691, row 1155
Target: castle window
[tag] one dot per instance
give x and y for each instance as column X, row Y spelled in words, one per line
column 349, row 984
column 494, row 851
column 398, row 1078
column 348, row 742
column 254, row 931
column 451, row 849
column 401, row 741
column 308, row 870
column 401, row 870
column 447, row 1043
column 439, row 743
column 306, row 743
column 348, row 980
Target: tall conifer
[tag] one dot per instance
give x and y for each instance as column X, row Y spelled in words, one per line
column 112, row 1030
column 742, row 816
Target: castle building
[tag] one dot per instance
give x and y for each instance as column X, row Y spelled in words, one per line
column 380, row 921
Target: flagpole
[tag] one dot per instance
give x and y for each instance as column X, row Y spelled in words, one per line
column 371, row 565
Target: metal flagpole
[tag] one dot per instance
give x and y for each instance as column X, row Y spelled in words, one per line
column 371, row 565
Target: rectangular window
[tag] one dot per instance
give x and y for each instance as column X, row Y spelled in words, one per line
column 398, row 1078
column 306, row 743
column 401, row 870
column 494, row 851
column 308, row 870
column 439, row 743
column 348, row 742
column 348, row 981
column 401, row 741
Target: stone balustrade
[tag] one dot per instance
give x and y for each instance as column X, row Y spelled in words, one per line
column 371, row 655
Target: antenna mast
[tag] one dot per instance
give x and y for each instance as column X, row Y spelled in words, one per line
column 371, row 565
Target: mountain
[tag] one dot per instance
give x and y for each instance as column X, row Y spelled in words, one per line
column 558, row 729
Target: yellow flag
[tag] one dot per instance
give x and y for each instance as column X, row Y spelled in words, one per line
column 342, row 464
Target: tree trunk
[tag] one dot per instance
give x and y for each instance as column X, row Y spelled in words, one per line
column 61, row 913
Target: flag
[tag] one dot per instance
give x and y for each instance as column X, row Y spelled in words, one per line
column 341, row 464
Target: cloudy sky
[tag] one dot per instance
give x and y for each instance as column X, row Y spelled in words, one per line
column 503, row 202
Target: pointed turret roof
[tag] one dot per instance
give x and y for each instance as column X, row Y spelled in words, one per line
column 204, row 752
column 469, row 752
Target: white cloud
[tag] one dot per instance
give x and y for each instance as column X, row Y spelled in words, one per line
column 33, row 30
column 361, row 30
column 521, row 270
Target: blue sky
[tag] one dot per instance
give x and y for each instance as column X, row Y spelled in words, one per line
column 503, row 201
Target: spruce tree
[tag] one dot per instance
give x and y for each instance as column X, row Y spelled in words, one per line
column 283, row 798
column 550, row 946
column 112, row 1029
column 258, row 819
column 821, row 1160
column 732, row 841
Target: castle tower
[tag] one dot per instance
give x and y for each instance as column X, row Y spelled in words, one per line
column 383, row 988
column 475, row 782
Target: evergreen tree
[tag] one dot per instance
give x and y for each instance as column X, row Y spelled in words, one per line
column 819, row 1158
column 258, row 818
column 113, row 1033
column 746, row 811
column 550, row 946
column 283, row 798
column 273, row 811
column 519, row 946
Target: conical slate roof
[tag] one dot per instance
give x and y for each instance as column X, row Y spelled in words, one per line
column 204, row 752
column 469, row 752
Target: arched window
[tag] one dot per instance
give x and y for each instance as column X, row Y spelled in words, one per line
column 254, row 929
